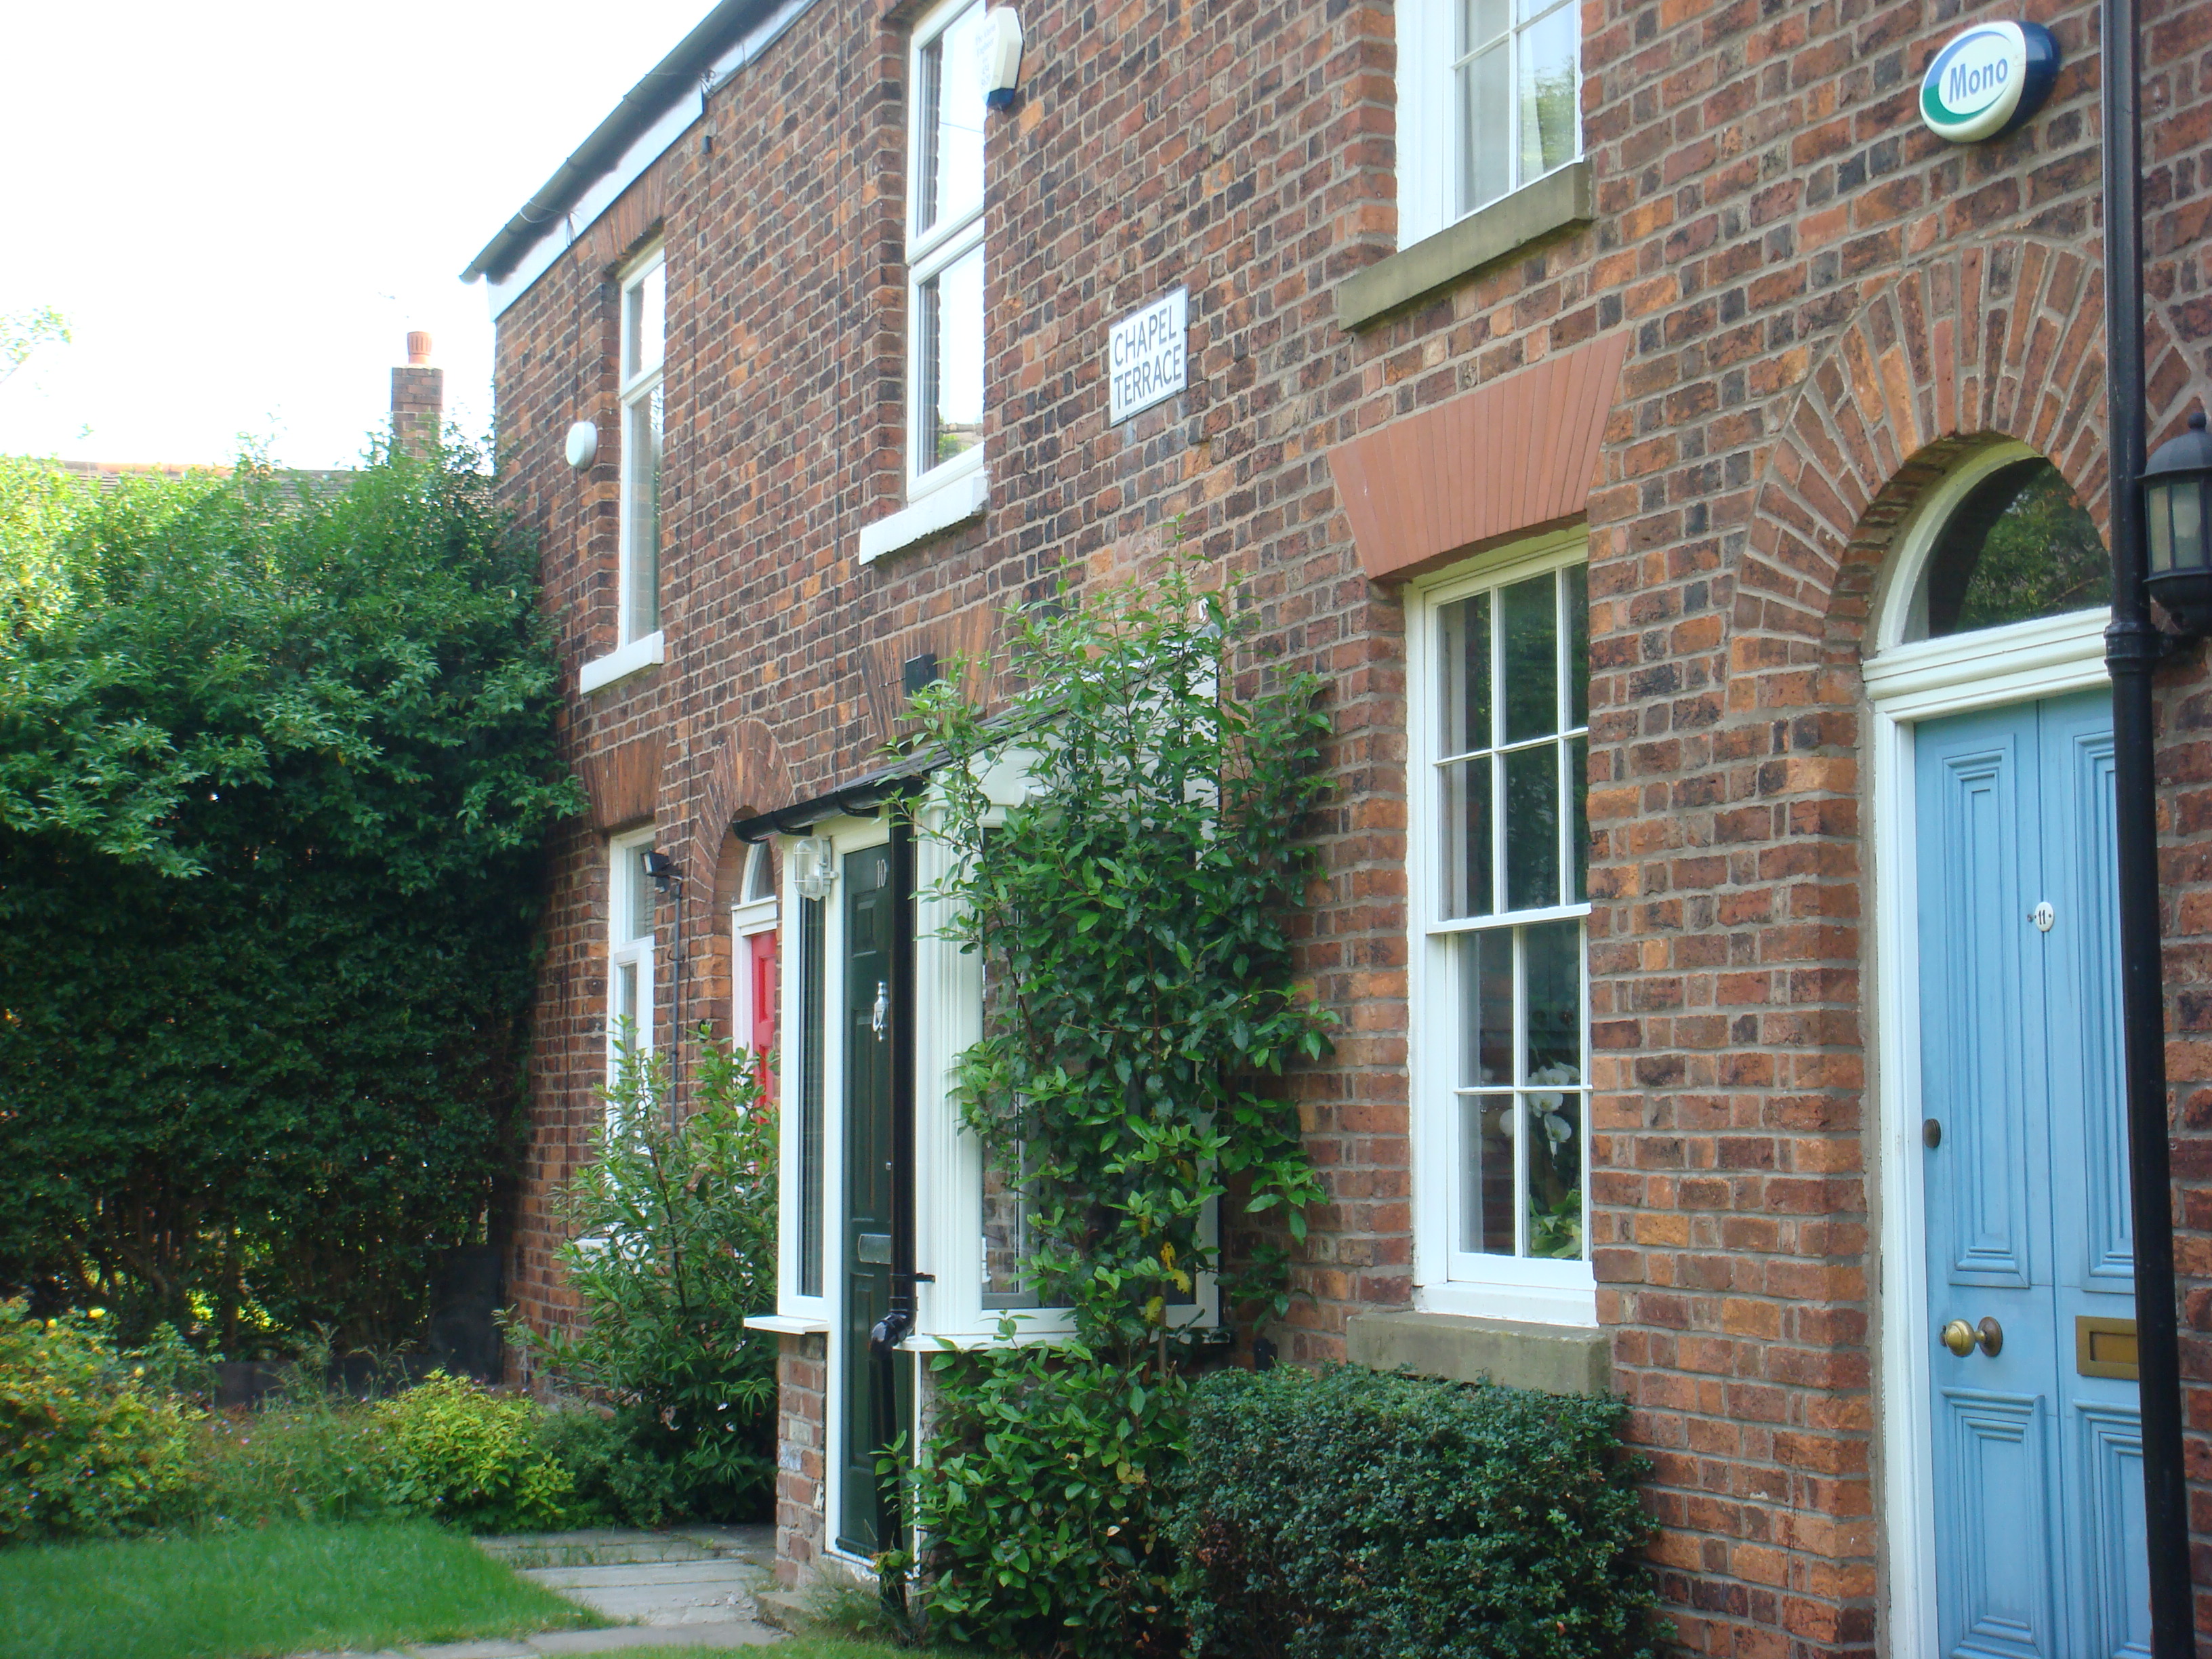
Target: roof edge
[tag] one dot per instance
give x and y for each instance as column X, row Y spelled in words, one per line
column 680, row 74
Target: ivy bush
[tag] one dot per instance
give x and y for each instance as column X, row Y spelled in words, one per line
column 276, row 767
column 1130, row 915
column 1355, row 1514
column 674, row 1245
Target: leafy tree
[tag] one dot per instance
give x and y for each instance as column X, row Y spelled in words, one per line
column 23, row 333
column 276, row 767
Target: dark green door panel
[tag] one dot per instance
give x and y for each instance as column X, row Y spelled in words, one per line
column 867, row 1034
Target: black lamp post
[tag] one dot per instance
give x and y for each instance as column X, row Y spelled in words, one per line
column 2178, row 520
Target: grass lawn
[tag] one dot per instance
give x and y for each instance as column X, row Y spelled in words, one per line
column 799, row 1647
column 279, row 1590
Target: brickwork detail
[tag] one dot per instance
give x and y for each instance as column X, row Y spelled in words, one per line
column 802, row 1373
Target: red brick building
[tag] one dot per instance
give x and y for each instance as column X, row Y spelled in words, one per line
column 1631, row 391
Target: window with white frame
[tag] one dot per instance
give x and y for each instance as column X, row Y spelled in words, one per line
column 629, row 947
column 1489, row 100
column 644, row 339
column 944, row 248
column 1498, row 698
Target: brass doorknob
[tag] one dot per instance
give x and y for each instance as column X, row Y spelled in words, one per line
column 1962, row 1339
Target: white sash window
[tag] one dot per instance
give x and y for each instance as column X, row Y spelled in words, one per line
column 1500, row 700
column 1489, row 100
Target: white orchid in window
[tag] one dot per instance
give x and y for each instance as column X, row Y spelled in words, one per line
column 1544, row 1106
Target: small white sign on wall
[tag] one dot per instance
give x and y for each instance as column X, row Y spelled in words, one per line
column 1147, row 357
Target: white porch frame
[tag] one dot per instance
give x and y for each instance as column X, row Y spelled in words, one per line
column 1907, row 683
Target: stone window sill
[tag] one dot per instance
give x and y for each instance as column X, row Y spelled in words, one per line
column 620, row 664
column 1460, row 1348
column 954, row 503
column 1554, row 202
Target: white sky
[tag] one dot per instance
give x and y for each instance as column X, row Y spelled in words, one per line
column 242, row 206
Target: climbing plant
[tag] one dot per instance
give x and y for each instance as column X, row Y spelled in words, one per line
column 1131, row 911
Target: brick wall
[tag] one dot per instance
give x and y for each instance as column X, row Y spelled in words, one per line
column 802, row 1373
column 1822, row 302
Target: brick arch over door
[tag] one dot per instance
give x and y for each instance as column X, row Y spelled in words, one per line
column 746, row 775
column 2002, row 338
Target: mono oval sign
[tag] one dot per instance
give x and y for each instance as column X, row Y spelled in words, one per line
column 1987, row 80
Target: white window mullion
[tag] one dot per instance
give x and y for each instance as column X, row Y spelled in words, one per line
column 1499, row 902
column 1519, row 1118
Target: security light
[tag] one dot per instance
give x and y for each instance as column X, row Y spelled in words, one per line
column 662, row 869
column 814, row 866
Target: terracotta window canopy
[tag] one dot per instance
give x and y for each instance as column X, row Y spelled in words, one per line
column 1504, row 460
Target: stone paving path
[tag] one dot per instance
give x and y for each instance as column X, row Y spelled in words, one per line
column 687, row 1587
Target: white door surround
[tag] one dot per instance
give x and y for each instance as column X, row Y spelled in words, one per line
column 1906, row 683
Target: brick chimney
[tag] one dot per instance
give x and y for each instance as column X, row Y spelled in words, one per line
column 418, row 396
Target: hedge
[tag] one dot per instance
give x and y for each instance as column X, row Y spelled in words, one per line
column 1357, row 1515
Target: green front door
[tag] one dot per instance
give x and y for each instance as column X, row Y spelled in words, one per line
column 868, row 1037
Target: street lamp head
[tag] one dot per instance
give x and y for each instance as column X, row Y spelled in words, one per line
column 2177, row 509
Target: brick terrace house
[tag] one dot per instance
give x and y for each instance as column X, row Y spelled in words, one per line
column 1688, row 470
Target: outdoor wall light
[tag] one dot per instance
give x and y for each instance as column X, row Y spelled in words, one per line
column 1002, row 57
column 583, row 445
column 2177, row 506
column 814, row 866
column 662, row 870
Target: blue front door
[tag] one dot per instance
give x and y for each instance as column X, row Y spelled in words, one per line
column 2038, row 1460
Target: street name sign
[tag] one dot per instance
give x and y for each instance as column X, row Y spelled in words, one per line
column 1147, row 360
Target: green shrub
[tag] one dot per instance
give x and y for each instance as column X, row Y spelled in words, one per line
column 674, row 1247
column 472, row 1457
column 612, row 1481
column 1359, row 1516
column 85, row 1450
column 1041, row 1493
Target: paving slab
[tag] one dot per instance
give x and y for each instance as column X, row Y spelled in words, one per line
column 691, row 1586
column 755, row 1542
column 709, row 1570
column 580, row 1550
column 728, row 1633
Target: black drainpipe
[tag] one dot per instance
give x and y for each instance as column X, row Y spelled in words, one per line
column 676, row 1002
column 2133, row 647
